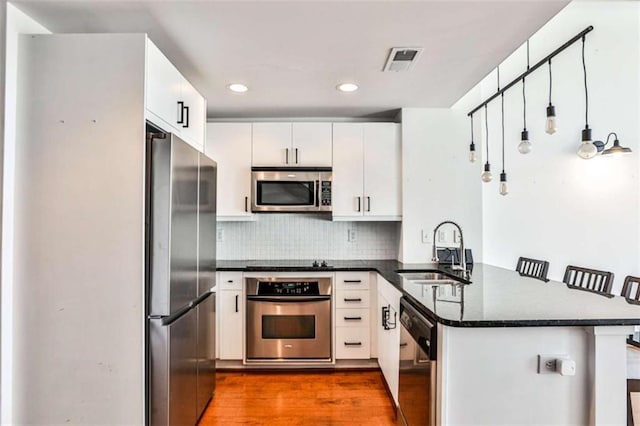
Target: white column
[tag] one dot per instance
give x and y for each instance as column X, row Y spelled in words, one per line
column 609, row 372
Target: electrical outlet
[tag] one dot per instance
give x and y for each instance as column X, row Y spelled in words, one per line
column 442, row 236
column 351, row 235
column 425, row 237
column 551, row 364
column 456, row 236
column 220, row 235
column 547, row 364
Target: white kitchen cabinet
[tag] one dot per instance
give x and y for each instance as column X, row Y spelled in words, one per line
column 229, row 144
column 311, row 144
column 292, row 144
column 388, row 339
column 172, row 103
column 353, row 332
column 230, row 319
column 366, row 171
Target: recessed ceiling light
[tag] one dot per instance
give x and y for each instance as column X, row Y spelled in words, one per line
column 347, row 87
column 237, row 87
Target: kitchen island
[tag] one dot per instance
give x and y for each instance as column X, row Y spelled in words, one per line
column 491, row 332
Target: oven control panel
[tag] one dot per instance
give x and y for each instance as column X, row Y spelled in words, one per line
column 292, row 288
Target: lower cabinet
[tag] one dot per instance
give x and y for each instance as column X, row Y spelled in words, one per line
column 353, row 333
column 230, row 316
column 388, row 326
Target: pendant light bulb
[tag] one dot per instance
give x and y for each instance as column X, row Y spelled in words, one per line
column 587, row 148
column 486, row 176
column 503, row 184
column 552, row 123
column 472, row 153
column 525, row 146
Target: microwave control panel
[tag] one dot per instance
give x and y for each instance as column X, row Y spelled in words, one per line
column 325, row 193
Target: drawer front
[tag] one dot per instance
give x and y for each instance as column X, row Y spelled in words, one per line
column 352, row 317
column 352, row 280
column 230, row 281
column 352, row 298
column 352, row 343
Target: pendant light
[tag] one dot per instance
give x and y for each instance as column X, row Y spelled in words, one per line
column 525, row 145
column 472, row 146
column 486, row 176
column 503, row 176
column 552, row 123
column 587, row 149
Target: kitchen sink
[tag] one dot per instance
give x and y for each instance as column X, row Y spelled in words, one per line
column 429, row 277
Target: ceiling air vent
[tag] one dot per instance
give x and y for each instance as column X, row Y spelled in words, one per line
column 402, row 58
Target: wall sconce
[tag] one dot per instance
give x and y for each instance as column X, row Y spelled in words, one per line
column 616, row 149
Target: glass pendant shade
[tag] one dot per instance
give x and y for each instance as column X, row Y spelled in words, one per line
column 587, row 148
column 525, row 146
column 486, row 176
column 503, row 184
column 551, row 125
column 472, row 152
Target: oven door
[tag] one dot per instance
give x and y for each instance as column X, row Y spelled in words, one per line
column 285, row 191
column 288, row 328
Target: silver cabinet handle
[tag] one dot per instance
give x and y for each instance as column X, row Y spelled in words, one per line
column 353, row 318
column 286, row 155
column 368, row 204
column 246, row 204
column 359, row 205
column 186, row 119
column 180, row 112
column 353, row 300
column 236, row 303
column 352, row 281
column 353, row 343
column 296, row 155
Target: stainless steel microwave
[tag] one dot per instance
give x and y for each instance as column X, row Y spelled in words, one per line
column 291, row 189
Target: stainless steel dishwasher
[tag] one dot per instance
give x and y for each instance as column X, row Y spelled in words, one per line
column 417, row 384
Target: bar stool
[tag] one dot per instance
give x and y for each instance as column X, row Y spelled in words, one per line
column 589, row 279
column 533, row 268
column 631, row 288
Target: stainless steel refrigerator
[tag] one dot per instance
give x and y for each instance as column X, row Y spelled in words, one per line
column 181, row 226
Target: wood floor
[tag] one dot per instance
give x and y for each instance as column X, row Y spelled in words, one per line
column 292, row 398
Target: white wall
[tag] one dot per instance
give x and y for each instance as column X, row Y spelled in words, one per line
column 16, row 23
column 562, row 208
column 438, row 182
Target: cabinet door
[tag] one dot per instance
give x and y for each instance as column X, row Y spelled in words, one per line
column 229, row 144
column 382, row 184
column 164, row 88
column 231, row 322
column 311, row 144
column 272, row 144
column 389, row 340
column 192, row 129
column 347, row 170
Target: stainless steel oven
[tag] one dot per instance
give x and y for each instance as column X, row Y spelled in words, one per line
column 417, row 381
column 288, row 319
column 291, row 189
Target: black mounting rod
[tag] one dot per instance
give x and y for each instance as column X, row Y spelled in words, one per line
column 543, row 61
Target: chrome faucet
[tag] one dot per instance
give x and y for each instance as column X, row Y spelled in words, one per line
column 463, row 260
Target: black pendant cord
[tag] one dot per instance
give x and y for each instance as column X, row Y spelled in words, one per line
column 502, row 102
column 498, row 78
column 471, row 128
column 486, row 127
column 550, row 82
column 524, row 103
column 586, row 92
column 534, row 67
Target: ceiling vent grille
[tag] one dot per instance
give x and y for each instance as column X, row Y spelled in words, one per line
column 402, row 59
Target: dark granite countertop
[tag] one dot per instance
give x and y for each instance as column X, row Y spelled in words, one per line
column 493, row 296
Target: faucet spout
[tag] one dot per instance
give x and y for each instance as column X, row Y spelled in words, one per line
column 463, row 260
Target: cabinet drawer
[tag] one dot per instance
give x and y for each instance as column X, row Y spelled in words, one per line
column 352, row 343
column 352, row 280
column 352, row 298
column 352, row 317
column 230, row 281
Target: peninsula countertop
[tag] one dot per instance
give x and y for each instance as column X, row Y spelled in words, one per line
column 494, row 297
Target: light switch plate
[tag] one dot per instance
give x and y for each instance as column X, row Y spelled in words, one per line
column 425, row 237
column 220, row 235
column 351, row 235
column 442, row 236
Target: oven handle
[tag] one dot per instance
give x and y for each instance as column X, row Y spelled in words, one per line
column 296, row 299
column 317, row 193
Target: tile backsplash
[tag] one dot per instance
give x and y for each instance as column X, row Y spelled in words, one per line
column 306, row 236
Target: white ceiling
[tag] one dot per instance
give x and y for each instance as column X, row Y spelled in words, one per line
column 292, row 54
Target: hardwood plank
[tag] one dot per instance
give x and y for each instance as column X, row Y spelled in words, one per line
column 300, row 398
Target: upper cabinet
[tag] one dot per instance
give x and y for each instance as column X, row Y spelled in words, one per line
column 230, row 145
column 292, row 144
column 172, row 103
column 366, row 171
